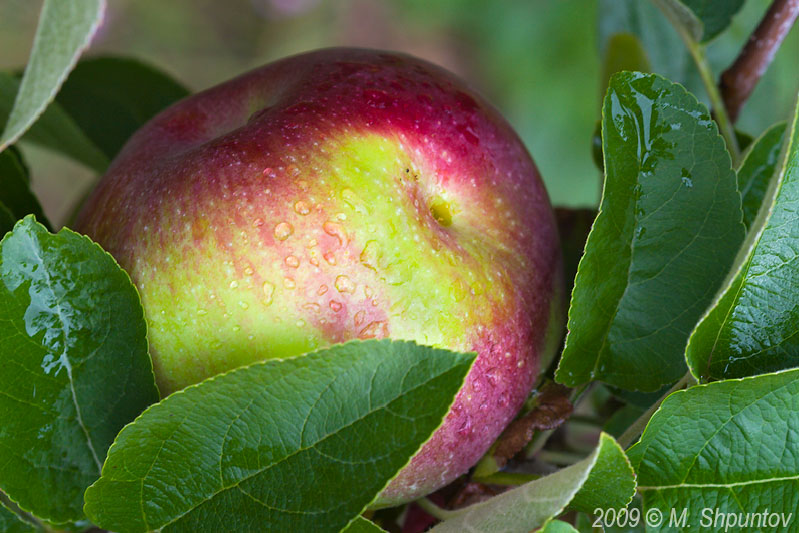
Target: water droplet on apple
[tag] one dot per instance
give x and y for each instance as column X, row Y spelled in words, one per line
column 258, row 222
column 492, row 376
column 249, row 271
column 374, row 330
column 202, row 312
column 322, row 290
column 359, row 317
column 311, row 306
column 344, row 284
column 283, row 231
column 352, row 199
column 234, row 284
column 236, row 328
column 289, row 283
column 459, row 290
column 269, row 290
column 465, row 428
column 370, row 256
column 244, row 305
column 335, row 306
column 292, row 261
column 268, row 172
column 301, row 208
column 476, row 288
column 330, row 258
column 334, row 229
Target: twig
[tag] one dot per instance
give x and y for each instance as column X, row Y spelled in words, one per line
column 632, row 433
column 738, row 81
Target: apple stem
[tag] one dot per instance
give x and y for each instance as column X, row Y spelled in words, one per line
column 739, row 80
column 434, row 510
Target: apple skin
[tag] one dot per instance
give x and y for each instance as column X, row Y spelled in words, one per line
column 335, row 195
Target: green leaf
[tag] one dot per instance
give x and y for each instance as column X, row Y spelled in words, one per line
column 7, row 220
column 533, row 504
column 573, row 228
column 684, row 18
column 757, row 168
column 702, row 20
column 362, row 525
column 751, row 328
column 715, row 15
column 64, row 31
column 557, row 526
column 14, row 151
column 11, row 522
column 15, row 194
column 668, row 230
column 112, row 97
column 728, row 446
column 54, row 129
column 610, row 484
column 663, row 45
column 623, row 51
column 298, row 444
column 75, row 366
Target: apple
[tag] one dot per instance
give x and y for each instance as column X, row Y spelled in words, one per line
column 335, row 195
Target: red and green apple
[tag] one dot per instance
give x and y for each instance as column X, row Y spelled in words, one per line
column 340, row 194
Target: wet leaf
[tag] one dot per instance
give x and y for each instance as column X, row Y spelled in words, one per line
column 75, row 366
column 278, row 443
column 757, row 169
column 751, row 328
column 727, row 446
column 668, row 230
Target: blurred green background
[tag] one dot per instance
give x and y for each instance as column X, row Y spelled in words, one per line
column 538, row 61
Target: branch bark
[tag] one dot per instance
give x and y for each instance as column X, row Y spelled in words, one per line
column 738, row 81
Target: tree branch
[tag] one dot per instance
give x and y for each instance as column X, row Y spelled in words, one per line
column 738, row 81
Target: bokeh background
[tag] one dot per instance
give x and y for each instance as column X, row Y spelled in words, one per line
column 539, row 61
